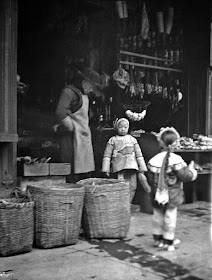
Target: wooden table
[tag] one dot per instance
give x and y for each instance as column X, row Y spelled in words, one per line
column 200, row 157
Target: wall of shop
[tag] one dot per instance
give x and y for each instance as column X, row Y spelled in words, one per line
column 48, row 45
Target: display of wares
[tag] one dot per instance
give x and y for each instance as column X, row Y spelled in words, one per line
column 198, row 142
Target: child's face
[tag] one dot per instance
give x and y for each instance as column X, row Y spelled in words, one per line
column 122, row 128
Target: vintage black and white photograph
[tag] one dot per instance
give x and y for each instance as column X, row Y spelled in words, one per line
column 105, row 140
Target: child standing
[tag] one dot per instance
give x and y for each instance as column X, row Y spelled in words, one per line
column 166, row 173
column 123, row 157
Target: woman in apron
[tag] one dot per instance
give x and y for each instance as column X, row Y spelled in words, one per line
column 73, row 117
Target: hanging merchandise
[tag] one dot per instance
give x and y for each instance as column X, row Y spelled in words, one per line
column 160, row 22
column 122, row 77
column 144, row 23
column 125, row 9
column 121, row 7
column 169, row 20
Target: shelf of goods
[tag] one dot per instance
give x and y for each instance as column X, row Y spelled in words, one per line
column 146, row 65
column 152, row 75
column 198, row 148
column 203, row 168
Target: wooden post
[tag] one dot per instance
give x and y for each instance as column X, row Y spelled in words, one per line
column 8, row 95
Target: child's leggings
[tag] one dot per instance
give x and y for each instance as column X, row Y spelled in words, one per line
column 131, row 177
column 164, row 223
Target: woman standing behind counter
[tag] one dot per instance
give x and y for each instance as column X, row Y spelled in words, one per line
column 72, row 113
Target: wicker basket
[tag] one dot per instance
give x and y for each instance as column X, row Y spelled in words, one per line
column 137, row 107
column 58, row 213
column 16, row 226
column 106, row 212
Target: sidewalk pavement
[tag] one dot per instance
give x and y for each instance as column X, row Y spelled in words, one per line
column 133, row 258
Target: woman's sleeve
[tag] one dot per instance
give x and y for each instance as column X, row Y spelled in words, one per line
column 62, row 110
column 107, row 157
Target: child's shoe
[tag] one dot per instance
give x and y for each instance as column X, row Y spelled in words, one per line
column 158, row 243
column 171, row 248
column 176, row 242
column 161, row 244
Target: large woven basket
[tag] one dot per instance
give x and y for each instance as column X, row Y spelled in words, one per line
column 106, row 212
column 16, row 226
column 58, row 213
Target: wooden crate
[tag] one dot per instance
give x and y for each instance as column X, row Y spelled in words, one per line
column 59, row 169
column 35, row 169
column 49, row 181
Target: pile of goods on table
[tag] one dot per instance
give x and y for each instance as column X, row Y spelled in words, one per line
column 198, row 142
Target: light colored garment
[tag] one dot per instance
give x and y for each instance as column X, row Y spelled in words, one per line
column 129, row 176
column 123, row 152
column 164, row 222
column 83, row 149
column 177, row 173
column 162, row 196
column 175, row 162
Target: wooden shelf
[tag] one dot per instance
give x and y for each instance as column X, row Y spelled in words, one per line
column 204, row 172
column 7, row 137
column 147, row 65
column 193, row 151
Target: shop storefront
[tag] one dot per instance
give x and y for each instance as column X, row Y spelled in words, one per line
column 153, row 57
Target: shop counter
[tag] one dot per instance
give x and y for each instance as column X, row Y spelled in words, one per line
column 201, row 188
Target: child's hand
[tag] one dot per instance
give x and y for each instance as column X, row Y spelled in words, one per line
column 191, row 165
column 143, row 181
column 107, row 174
column 147, row 188
column 193, row 170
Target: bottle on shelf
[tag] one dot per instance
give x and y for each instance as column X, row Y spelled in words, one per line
column 134, row 43
column 177, row 88
column 159, row 41
column 176, row 52
column 141, row 49
column 149, row 47
column 140, row 75
column 181, row 47
column 155, row 85
column 171, row 51
column 126, row 48
column 134, row 35
column 154, row 47
column 171, row 90
column 164, row 82
column 165, row 49
column 148, row 82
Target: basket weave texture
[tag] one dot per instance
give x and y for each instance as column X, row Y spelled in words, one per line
column 106, row 212
column 58, row 213
column 16, row 226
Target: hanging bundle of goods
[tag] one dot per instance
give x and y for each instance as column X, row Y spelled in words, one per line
column 122, row 77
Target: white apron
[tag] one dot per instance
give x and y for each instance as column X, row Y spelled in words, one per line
column 83, row 148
